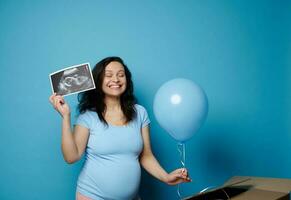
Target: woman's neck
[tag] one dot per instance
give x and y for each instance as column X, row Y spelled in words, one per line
column 112, row 103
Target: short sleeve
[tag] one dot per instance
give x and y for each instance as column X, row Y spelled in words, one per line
column 83, row 120
column 144, row 117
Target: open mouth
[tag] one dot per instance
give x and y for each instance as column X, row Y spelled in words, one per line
column 114, row 86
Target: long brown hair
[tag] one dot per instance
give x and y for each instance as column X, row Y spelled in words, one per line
column 94, row 99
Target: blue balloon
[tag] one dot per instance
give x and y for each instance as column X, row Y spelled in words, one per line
column 180, row 107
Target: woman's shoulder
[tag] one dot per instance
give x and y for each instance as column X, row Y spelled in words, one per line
column 87, row 118
column 88, row 114
column 139, row 108
column 142, row 115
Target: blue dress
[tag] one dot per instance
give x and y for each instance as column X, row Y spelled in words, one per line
column 111, row 169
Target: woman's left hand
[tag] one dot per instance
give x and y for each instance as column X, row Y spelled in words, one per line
column 178, row 176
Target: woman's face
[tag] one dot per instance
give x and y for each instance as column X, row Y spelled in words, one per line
column 114, row 81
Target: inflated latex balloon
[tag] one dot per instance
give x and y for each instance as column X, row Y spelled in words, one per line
column 180, row 107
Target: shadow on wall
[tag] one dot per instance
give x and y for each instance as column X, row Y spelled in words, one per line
column 220, row 157
column 147, row 187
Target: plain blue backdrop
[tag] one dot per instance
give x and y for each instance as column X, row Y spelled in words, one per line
column 238, row 51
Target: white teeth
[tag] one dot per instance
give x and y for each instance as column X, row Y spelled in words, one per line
column 114, row 86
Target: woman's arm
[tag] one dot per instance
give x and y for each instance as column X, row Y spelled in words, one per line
column 73, row 144
column 151, row 165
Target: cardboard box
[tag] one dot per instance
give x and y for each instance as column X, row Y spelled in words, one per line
column 248, row 188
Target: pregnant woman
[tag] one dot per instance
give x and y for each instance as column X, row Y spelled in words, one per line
column 114, row 133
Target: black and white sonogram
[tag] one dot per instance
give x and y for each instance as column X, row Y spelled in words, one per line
column 71, row 80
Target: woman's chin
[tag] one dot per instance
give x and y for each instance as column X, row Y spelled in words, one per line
column 113, row 94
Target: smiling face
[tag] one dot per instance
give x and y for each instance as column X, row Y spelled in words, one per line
column 114, row 81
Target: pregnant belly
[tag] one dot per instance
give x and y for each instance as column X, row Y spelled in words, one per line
column 112, row 180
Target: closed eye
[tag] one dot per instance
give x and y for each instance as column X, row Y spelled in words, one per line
column 108, row 75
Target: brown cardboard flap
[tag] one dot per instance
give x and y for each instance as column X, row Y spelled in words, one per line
column 248, row 188
column 256, row 194
column 270, row 184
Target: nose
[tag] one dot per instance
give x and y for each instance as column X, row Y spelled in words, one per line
column 115, row 78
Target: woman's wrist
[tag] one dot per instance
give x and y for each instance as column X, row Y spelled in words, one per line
column 165, row 178
column 67, row 116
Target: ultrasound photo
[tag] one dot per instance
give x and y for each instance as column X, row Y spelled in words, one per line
column 71, row 80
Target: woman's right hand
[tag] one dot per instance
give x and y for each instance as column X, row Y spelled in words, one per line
column 60, row 105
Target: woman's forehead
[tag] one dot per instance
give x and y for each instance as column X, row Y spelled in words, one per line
column 114, row 67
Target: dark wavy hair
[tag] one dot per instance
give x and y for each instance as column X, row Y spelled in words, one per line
column 93, row 100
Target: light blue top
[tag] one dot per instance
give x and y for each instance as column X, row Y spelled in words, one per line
column 111, row 169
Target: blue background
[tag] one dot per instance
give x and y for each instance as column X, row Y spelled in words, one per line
column 238, row 51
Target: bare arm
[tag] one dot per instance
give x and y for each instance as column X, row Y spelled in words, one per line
column 151, row 165
column 147, row 159
column 73, row 142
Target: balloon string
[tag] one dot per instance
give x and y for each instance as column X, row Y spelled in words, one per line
column 182, row 152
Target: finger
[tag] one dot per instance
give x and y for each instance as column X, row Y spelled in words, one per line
column 183, row 170
column 62, row 100
column 182, row 176
column 52, row 97
column 180, row 170
column 59, row 98
column 176, row 176
column 57, row 101
column 185, row 173
column 187, row 180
